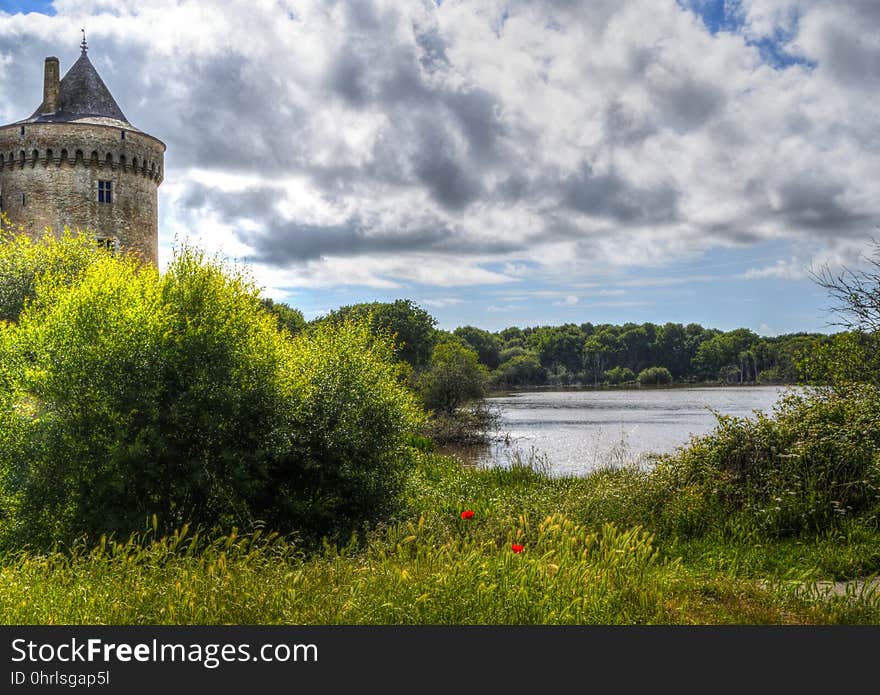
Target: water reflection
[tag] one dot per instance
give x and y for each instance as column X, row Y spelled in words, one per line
column 575, row 431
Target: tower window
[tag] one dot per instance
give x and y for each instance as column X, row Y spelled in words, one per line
column 122, row 134
column 22, row 130
column 105, row 192
column 23, row 199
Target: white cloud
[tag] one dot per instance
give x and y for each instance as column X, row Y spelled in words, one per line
column 394, row 142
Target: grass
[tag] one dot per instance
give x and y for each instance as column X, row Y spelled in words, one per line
column 589, row 558
column 751, row 524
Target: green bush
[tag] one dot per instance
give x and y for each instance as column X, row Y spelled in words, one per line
column 454, row 378
column 24, row 260
column 815, row 461
column 620, row 375
column 521, row 370
column 653, row 376
column 128, row 394
column 348, row 424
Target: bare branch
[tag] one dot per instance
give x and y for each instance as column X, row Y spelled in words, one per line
column 856, row 293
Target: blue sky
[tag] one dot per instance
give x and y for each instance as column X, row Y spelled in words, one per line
column 500, row 162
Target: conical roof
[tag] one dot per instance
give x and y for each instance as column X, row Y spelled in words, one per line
column 83, row 98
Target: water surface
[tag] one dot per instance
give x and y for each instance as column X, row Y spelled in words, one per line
column 575, row 431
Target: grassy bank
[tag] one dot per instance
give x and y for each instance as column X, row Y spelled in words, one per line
column 590, row 555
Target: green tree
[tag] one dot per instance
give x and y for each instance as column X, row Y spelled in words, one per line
column 726, row 350
column 485, row 344
column 600, row 351
column 559, row 347
column 288, row 318
column 411, row 326
column 521, row 370
column 854, row 355
column 455, row 377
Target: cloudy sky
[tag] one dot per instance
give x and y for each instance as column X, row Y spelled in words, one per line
column 499, row 162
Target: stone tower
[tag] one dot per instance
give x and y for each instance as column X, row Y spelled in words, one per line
column 78, row 162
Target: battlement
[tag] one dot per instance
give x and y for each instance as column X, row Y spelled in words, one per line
column 104, row 160
column 65, row 145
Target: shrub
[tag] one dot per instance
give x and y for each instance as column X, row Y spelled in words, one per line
column 814, row 461
column 620, row 375
column 129, row 394
column 349, row 421
column 455, row 377
column 521, row 370
column 24, row 260
column 653, row 376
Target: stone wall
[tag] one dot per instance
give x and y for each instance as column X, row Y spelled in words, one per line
column 57, row 166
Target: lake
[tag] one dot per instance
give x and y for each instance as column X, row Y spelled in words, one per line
column 575, row 431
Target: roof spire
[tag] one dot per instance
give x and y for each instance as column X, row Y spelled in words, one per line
column 84, row 46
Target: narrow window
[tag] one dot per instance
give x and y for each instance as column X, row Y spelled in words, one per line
column 22, row 130
column 105, row 193
column 122, row 134
column 23, row 199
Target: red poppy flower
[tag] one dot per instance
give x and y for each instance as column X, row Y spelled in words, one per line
column 467, row 514
column 517, row 548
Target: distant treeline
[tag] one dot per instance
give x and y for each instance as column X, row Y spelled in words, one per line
column 645, row 353
column 603, row 354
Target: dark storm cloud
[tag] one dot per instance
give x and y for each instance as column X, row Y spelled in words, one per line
column 809, row 203
column 281, row 242
column 848, row 57
column 688, row 104
column 348, row 78
column 611, row 196
column 435, row 165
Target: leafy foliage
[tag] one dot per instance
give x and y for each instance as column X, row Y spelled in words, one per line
column 289, row 318
column 813, row 462
column 454, row 378
column 129, row 393
column 411, row 327
column 23, row 260
column 620, row 375
column 654, row 376
column 485, row 344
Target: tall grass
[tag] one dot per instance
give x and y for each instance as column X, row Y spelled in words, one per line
column 408, row 575
column 686, row 542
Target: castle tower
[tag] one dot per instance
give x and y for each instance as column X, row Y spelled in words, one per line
column 78, row 162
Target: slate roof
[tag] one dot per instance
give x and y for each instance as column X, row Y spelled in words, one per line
column 83, row 98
